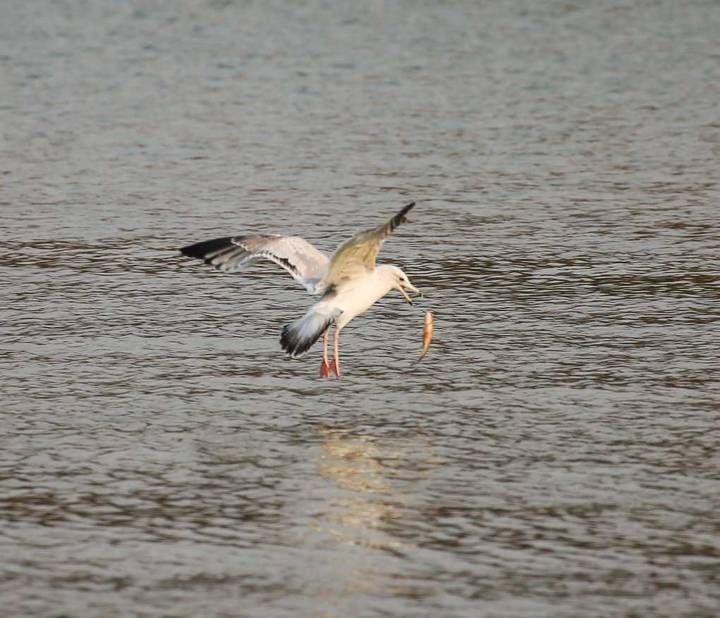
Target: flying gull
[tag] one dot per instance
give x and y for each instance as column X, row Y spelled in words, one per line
column 348, row 283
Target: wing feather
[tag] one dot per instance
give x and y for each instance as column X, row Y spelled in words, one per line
column 297, row 256
column 358, row 255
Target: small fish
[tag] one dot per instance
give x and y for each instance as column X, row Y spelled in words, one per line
column 427, row 334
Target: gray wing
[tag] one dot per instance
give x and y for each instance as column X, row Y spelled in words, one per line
column 357, row 255
column 296, row 255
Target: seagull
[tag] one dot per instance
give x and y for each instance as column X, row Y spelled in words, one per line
column 348, row 283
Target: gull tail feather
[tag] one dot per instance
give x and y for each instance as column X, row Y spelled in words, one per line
column 299, row 336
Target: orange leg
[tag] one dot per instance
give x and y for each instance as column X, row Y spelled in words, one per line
column 336, row 348
column 325, row 365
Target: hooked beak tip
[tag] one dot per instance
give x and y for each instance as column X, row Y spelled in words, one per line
column 405, row 295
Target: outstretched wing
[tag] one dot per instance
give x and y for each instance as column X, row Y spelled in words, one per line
column 296, row 255
column 357, row 255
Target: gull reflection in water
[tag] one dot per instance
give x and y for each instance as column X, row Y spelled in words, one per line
column 366, row 500
column 360, row 504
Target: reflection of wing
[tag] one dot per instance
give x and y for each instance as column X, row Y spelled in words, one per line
column 304, row 262
column 357, row 255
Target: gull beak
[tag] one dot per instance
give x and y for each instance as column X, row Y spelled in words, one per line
column 405, row 294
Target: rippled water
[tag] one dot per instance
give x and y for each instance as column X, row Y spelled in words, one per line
column 557, row 452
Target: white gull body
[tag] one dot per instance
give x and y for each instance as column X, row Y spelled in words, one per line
column 349, row 283
column 357, row 295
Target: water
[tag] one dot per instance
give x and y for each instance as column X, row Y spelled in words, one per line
column 557, row 452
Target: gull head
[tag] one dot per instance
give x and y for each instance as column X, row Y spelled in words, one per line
column 399, row 280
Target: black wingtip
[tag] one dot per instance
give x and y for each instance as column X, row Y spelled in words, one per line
column 406, row 209
column 400, row 217
column 201, row 249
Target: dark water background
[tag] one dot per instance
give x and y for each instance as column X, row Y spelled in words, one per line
column 556, row 455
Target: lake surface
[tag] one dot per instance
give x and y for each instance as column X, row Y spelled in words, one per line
column 557, row 452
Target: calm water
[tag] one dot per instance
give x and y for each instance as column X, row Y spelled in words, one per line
column 556, row 455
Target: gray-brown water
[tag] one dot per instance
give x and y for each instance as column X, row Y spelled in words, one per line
column 556, row 455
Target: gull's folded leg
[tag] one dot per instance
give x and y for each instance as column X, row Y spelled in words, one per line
column 325, row 365
column 336, row 350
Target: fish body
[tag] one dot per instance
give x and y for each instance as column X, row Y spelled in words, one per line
column 427, row 334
